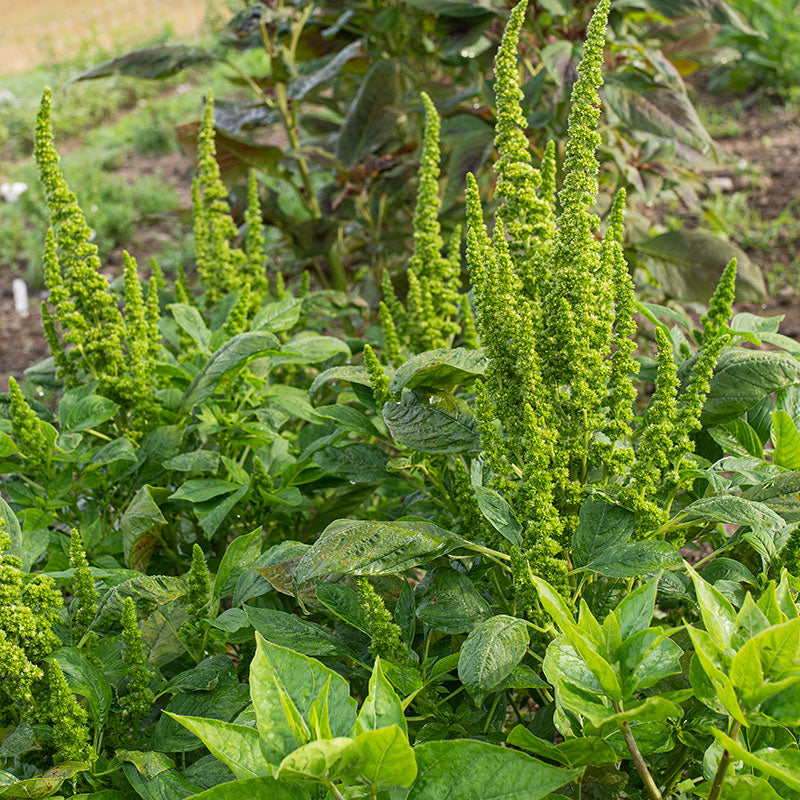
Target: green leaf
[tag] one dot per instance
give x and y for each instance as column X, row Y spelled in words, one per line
column 787, row 441
column 191, row 322
column 439, row 369
column 42, row 786
column 601, row 526
column 280, row 315
column 365, row 547
column 429, row 428
column 348, row 418
column 370, row 119
column 553, row 603
column 382, row 707
column 198, row 490
column 635, row 559
column 783, row 764
column 465, row 770
column 136, row 524
column 734, row 510
column 356, row 375
column 236, row 746
column 707, row 654
column 83, row 413
column 86, row 680
column 116, row 450
column 447, row 601
column 289, row 630
column 780, row 494
column 11, row 527
column 742, row 378
column 636, row 609
column 319, row 760
column 380, row 759
column 687, row 264
column 492, row 649
column 358, row 463
column 232, row 355
column 719, row 616
column 496, row 509
column 251, row 788
column 158, row 61
column 277, row 669
column 194, row 461
column 647, row 657
column 211, row 513
column 239, row 556
column 344, row 603
column 310, row 348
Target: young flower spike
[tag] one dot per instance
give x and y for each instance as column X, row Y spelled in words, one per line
column 719, row 311
column 138, row 699
column 384, row 634
column 69, row 720
column 377, row 377
column 27, row 430
column 83, row 588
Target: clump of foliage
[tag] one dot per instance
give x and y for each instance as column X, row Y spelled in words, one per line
column 470, row 522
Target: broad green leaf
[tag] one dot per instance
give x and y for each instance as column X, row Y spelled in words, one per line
column 734, row 510
column 348, row 418
column 466, row 770
column 302, row 85
column 83, row 413
column 492, row 649
column 310, row 348
column 356, row 375
column 648, row 657
column 603, row 671
column 237, row 746
column 636, row 558
column 421, row 425
column 448, row 601
column 157, row 61
column 12, row 528
column 636, row 609
column 780, row 494
column 370, row 119
column 191, row 322
column 319, row 760
column 687, row 264
column 211, row 513
column 239, row 556
column 277, row 669
column 707, row 654
column 382, row 706
column 148, row 593
column 86, row 679
column 42, row 786
column 279, row 315
column 289, row 630
column 251, row 788
column 601, row 526
column 344, row 603
column 381, row 758
column 439, row 369
column 198, row 490
column 496, row 509
column 116, row 450
column 136, row 524
column 742, row 378
column 553, row 603
column 783, row 763
column 358, row 463
column 232, row 355
column 719, row 616
column 363, row 547
column 787, row 441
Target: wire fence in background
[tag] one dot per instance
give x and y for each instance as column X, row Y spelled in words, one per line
column 33, row 31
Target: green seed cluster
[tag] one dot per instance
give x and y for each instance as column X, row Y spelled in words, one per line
column 33, row 688
column 385, row 637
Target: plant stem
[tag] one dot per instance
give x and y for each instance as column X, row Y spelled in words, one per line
column 644, row 773
column 335, row 792
column 722, row 769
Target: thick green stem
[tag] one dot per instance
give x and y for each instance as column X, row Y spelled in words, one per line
column 641, row 767
column 724, row 762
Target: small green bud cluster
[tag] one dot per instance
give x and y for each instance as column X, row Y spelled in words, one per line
column 31, row 686
column 138, row 697
column 221, row 267
column 27, row 428
column 385, row 637
column 85, row 330
column 85, row 605
column 429, row 320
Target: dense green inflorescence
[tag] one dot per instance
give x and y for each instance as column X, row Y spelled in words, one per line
column 554, row 313
column 87, row 334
